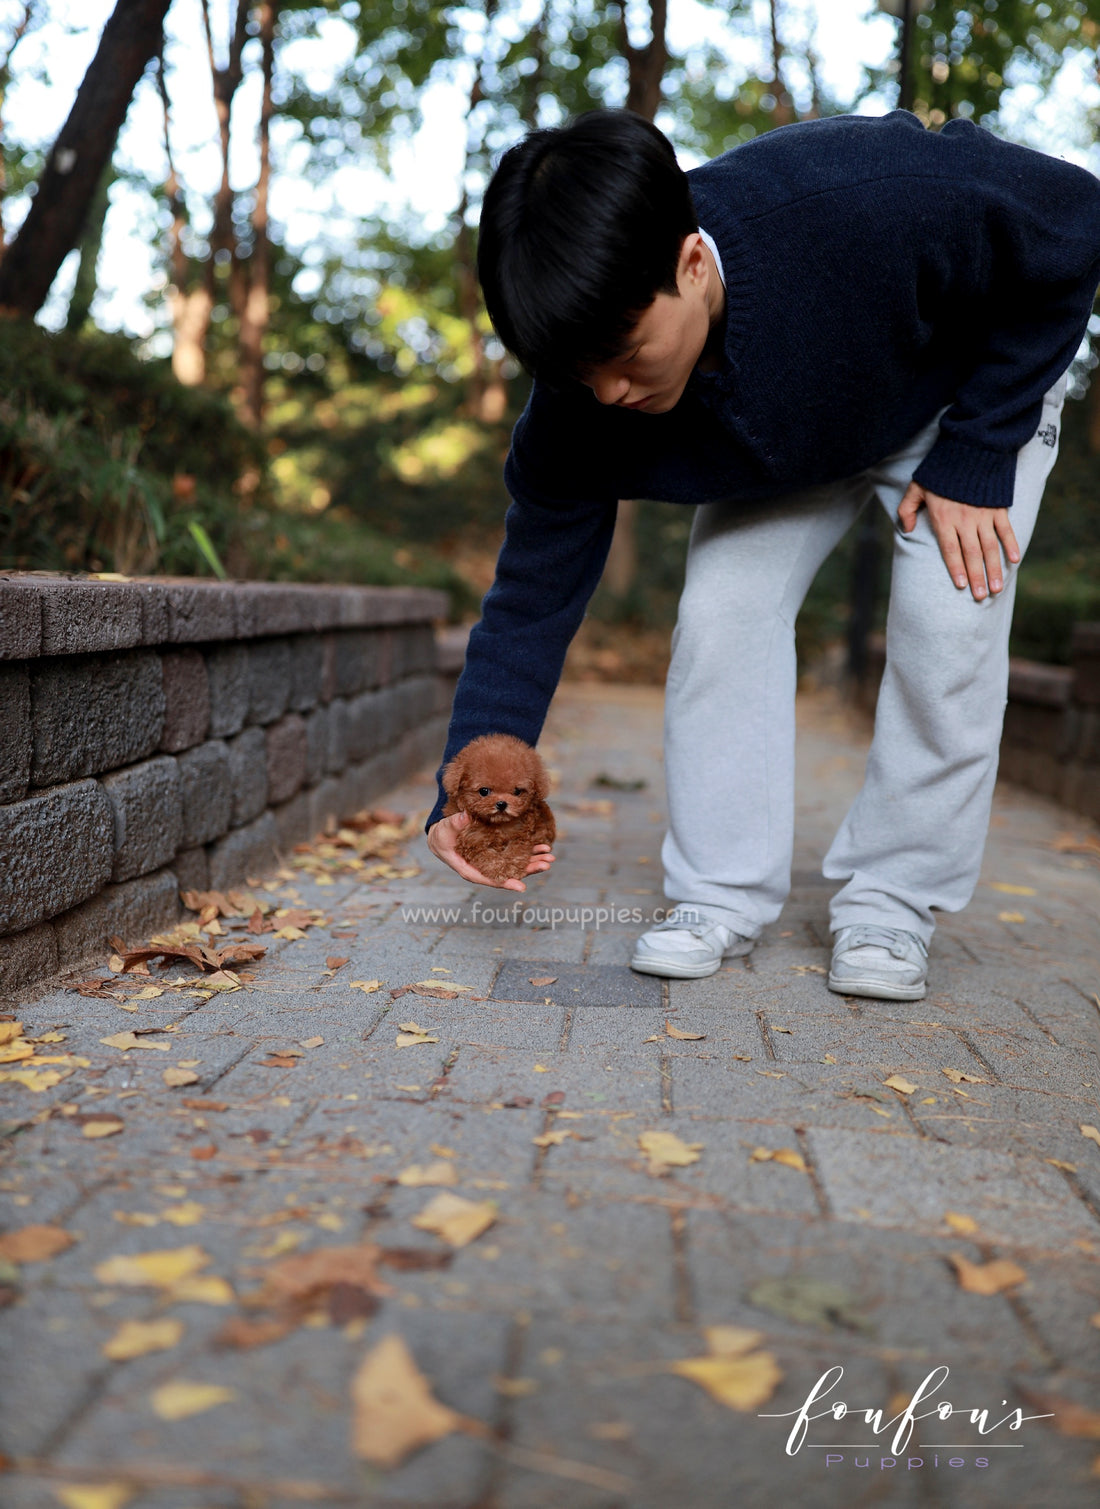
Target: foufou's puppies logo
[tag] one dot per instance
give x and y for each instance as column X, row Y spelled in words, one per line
column 931, row 1420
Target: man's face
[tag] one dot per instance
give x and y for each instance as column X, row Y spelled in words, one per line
column 667, row 341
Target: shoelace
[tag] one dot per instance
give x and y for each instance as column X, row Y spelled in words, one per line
column 884, row 937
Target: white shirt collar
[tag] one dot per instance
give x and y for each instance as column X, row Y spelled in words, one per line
column 709, row 243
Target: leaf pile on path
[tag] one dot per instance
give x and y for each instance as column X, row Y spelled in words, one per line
column 23, row 1062
column 365, row 846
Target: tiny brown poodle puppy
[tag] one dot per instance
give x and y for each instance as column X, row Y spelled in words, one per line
column 502, row 783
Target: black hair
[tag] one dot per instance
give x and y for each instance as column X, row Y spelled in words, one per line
column 581, row 228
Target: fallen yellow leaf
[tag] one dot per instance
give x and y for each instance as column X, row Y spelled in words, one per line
column 175, row 1079
column 441, row 1150
column 1090, row 1132
column 903, row 1086
column 1069, row 1168
column 311, row 1042
column 1011, row 917
column 368, row 987
column 552, row 1139
column 987, row 1278
column 34, row 1080
column 102, row 1127
column 671, row 1030
column 541, row 1069
column 201, row 1289
column 742, row 1383
column 16, row 1052
column 124, row 1041
column 9, row 1031
column 187, row 1214
column 158, row 1270
column 414, row 1039
column 456, row 1220
column 417, row 1174
column 666, row 1150
column 93, row 1495
column 731, row 1341
column 393, row 1409
column 965, row 1225
column 1011, row 890
column 134, row 1338
column 180, row 1400
column 785, row 1155
column 150, row 993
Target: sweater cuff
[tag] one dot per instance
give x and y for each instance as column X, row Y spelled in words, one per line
column 968, row 473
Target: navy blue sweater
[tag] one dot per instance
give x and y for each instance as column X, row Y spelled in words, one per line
column 875, row 274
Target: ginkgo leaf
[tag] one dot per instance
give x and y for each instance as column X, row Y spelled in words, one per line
column 35, row 1080
column 439, row 1172
column 135, row 1338
column 311, row 1042
column 414, row 1039
column 393, row 1409
column 903, row 1086
column 179, row 1400
column 1090, row 1132
column 124, row 1041
column 741, row 1383
column 987, row 1278
column 784, row 1155
column 368, row 987
column 16, row 1052
column 666, row 1150
column 671, row 1030
column 102, row 1126
column 965, row 1225
column 175, row 1079
column 158, row 1270
column 456, row 1220
column 9, row 1031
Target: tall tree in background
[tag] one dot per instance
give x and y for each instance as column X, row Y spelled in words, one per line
column 20, row 29
column 131, row 39
column 255, row 301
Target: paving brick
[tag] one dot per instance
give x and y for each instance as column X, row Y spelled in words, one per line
column 94, row 713
column 133, row 911
column 186, row 700
column 148, row 816
column 227, row 676
column 56, row 849
column 306, row 672
column 268, row 680
column 287, row 755
column 20, row 621
column 200, row 611
column 248, row 775
column 357, row 660
column 15, row 720
column 336, row 736
column 276, row 608
column 251, row 850
column 206, row 791
column 83, row 617
column 27, row 956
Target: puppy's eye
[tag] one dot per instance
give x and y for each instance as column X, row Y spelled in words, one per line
column 483, row 791
column 520, row 791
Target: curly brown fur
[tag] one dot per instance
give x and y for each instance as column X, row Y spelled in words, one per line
column 502, row 784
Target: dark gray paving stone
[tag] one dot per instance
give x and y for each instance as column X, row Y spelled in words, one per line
column 579, row 985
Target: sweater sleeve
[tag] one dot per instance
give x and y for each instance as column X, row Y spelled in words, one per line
column 549, row 565
column 1022, row 235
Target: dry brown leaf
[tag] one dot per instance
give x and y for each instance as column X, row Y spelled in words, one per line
column 1068, row 1168
column 410, row 1034
column 957, row 1077
column 903, row 1086
column 311, row 1042
column 180, row 1400
column 1070, row 1419
column 33, row 1244
column 741, row 1383
column 665, row 1150
column 671, row 1030
column 102, row 1126
column 418, row 1174
column 393, row 1409
column 456, row 1220
column 540, row 980
column 966, row 1226
column 1090, row 1132
column 785, row 1155
column 161, row 1269
column 987, row 1278
column 240, row 1334
column 175, row 1079
column 308, row 1275
column 136, row 1338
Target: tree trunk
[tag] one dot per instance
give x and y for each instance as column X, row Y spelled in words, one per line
column 190, row 306
column 90, row 244
column 75, row 167
column 17, row 36
column 256, row 311
column 784, row 109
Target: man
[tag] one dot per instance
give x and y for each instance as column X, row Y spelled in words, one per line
column 839, row 311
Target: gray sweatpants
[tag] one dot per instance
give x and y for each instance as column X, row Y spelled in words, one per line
column 912, row 842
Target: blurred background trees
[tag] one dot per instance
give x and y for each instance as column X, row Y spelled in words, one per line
column 310, row 388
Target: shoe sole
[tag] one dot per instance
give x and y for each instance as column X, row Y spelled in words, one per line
column 670, row 969
column 876, row 990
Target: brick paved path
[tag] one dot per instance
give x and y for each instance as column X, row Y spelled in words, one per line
column 556, row 1327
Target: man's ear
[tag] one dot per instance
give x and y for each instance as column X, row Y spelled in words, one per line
column 692, row 266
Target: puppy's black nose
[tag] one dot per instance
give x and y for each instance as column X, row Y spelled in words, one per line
column 502, row 806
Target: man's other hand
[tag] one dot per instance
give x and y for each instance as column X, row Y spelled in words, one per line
column 970, row 539
column 443, row 835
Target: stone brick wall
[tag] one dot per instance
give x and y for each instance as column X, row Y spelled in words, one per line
column 167, row 735
column 1051, row 740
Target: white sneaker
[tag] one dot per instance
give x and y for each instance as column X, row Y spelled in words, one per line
column 686, row 946
column 884, row 963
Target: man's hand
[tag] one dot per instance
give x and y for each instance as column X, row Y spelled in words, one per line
column 970, row 538
column 441, row 841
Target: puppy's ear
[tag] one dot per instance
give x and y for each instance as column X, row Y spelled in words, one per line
column 453, row 774
column 540, row 779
